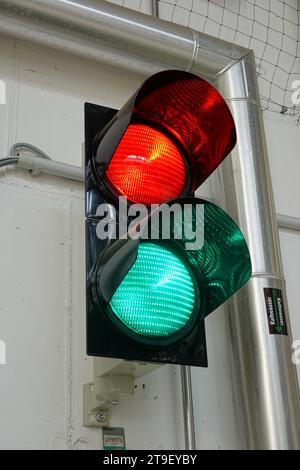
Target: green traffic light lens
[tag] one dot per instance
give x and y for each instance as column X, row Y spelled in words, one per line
column 156, row 298
column 223, row 259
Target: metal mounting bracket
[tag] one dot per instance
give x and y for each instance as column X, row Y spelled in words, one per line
column 112, row 379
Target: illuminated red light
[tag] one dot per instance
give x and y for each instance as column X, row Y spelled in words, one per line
column 147, row 167
column 195, row 113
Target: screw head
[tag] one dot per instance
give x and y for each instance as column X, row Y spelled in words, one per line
column 100, row 417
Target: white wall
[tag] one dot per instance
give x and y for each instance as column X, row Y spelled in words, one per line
column 42, row 311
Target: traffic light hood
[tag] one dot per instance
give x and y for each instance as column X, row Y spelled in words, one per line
column 218, row 262
column 182, row 118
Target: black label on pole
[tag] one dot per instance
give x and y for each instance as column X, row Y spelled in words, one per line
column 275, row 311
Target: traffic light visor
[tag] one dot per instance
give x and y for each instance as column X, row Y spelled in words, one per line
column 156, row 288
column 171, row 134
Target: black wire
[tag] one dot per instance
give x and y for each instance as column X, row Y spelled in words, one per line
column 8, row 161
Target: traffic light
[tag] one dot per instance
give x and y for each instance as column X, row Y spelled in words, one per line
column 158, row 259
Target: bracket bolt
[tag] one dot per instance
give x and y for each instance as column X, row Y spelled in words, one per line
column 100, row 417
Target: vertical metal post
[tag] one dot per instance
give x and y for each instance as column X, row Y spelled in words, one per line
column 155, row 8
column 188, row 411
column 262, row 356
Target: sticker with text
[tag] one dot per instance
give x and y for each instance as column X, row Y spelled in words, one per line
column 275, row 311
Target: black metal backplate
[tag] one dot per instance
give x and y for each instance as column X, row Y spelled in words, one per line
column 103, row 339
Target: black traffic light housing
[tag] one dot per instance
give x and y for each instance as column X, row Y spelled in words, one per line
column 103, row 338
column 177, row 114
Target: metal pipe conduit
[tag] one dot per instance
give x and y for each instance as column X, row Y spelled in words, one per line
column 116, row 35
column 288, row 222
column 76, row 173
column 263, row 369
column 266, row 382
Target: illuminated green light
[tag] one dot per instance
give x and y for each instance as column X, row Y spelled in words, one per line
column 223, row 260
column 156, row 297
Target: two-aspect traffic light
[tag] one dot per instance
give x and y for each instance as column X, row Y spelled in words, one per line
column 158, row 259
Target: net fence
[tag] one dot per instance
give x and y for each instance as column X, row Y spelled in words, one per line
column 269, row 27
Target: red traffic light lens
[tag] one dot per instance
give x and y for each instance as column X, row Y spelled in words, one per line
column 147, row 167
column 195, row 113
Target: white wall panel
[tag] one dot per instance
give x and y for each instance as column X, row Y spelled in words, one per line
column 46, row 93
column 214, row 406
column 283, row 139
column 42, row 307
column 33, row 238
column 290, row 247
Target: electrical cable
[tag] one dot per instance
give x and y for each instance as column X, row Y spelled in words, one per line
column 13, row 158
column 23, row 145
column 8, row 161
